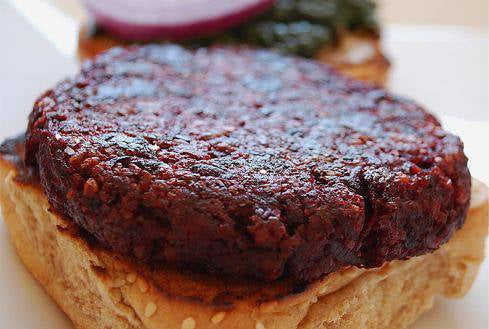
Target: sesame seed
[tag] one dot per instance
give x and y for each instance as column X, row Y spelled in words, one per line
column 143, row 285
column 69, row 151
column 218, row 317
column 90, row 188
column 117, row 283
column 323, row 290
column 188, row 323
column 154, row 147
column 267, row 307
column 259, row 325
column 131, row 277
column 150, row 310
column 263, row 171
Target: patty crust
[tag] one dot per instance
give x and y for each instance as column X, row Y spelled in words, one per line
column 245, row 163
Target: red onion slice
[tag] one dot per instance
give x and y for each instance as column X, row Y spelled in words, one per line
column 172, row 19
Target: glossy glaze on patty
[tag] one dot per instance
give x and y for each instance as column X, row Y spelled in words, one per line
column 245, row 163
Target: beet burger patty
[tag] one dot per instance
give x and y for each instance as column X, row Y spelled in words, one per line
column 245, row 162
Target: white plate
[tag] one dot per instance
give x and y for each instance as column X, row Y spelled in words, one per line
column 446, row 69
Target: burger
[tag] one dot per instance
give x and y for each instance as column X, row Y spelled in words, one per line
column 235, row 187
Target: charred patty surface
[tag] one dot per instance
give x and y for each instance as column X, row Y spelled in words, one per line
column 245, row 162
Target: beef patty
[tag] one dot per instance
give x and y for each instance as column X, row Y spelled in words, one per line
column 245, row 163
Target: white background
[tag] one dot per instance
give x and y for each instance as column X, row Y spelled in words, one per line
column 444, row 68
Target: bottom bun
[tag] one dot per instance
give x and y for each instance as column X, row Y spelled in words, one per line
column 98, row 289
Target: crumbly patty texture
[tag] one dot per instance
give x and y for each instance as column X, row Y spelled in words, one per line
column 245, row 163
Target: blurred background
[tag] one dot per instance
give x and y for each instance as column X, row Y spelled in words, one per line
column 472, row 13
column 440, row 57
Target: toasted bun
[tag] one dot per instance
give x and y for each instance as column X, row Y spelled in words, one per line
column 357, row 55
column 97, row 289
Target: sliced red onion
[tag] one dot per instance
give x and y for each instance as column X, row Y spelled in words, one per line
column 172, row 19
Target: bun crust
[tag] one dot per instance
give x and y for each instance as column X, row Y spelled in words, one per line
column 97, row 289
